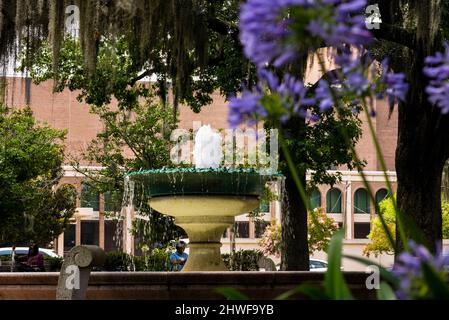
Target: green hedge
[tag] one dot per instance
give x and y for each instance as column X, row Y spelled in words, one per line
column 53, row 264
column 243, row 260
column 158, row 260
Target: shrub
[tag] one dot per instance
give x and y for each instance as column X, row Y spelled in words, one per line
column 5, row 258
column 53, row 264
column 120, row 261
column 379, row 242
column 320, row 231
column 271, row 241
column 242, row 260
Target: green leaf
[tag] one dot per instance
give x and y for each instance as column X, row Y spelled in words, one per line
column 313, row 292
column 385, row 292
column 231, row 293
column 436, row 282
column 334, row 282
column 384, row 273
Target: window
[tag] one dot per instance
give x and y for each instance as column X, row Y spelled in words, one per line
column 264, row 206
column 333, row 201
column 381, row 195
column 315, row 198
column 314, row 264
column 112, row 235
column 90, row 198
column 89, row 232
column 69, row 237
column 361, row 201
column 260, row 227
column 242, row 229
column 112, row 201
column 361, row 230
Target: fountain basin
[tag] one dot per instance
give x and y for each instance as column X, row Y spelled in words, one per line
column 204, row 203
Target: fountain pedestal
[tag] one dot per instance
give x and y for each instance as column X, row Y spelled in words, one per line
column 204, row 218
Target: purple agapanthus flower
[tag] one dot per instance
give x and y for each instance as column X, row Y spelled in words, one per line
column 271, row 34
column 437, row 69
column 408, row 269
column 264, row 29
column 395, row 86
column 347, row 26
column 290, row 92
column 324, row 96
column 245, row 108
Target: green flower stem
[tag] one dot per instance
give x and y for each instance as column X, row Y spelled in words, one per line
column 294, row 172
column 357, row 159
column 383, row 166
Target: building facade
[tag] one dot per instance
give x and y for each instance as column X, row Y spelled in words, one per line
column 347, row 202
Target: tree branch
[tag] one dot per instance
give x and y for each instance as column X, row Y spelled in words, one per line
column 140, row 77
column 395, row 34
column 223, row 28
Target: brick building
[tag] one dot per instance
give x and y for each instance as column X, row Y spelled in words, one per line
column 347, row 202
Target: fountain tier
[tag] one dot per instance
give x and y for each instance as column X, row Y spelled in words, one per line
column 204, row 203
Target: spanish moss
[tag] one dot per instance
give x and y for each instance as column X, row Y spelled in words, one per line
column 170, row 35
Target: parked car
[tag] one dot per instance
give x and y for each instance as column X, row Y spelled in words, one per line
column 317, row 265
column 23, row 251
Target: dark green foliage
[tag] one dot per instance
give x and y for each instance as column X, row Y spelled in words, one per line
column 32, row 207
column 242, row 260
column 53, row 264
column 158, row 260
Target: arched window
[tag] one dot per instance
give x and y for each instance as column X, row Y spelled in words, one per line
column 361, row 201
column 381, row 195
column 90, row 198
column 333, row 201
column 315, row 198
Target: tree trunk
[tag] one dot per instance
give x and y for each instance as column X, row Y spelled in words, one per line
column 423, row 134
column 295, row 253
column 420, row 156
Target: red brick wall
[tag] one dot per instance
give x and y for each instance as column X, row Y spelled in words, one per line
column 63, row 111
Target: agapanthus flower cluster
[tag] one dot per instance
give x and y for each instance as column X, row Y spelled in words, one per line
column 265, row 32
column 246, row 108
column 284, row 97
column 346, row 25
column 409, row 270
column 392, row 85
column 437, row 69
column 274, row 32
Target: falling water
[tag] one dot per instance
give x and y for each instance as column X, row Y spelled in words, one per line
column 127, row 207
column 285, row 207
column 208, row 151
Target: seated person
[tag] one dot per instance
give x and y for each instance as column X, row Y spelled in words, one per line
column 179, row 257
column 35, row 261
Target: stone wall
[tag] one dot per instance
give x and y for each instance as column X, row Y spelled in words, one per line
column 174, row 286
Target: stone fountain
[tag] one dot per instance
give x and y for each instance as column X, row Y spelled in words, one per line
column 203, row 200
